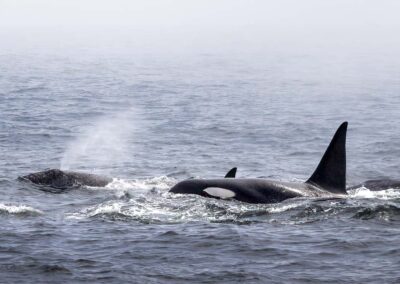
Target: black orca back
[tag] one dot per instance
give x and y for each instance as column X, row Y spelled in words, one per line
column 331, row 171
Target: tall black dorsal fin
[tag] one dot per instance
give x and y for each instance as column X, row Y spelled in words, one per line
column 331, row 171
column 231, row 173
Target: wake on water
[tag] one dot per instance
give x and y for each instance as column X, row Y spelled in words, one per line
column 148, row 201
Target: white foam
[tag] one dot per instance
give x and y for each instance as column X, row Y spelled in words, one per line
column 122, row 187
column 282, row 208
column 172, row 208
column 107, row 208
column 18, row 209
column 162, row 182
column 142, row 202
column 131, row 209
column 364, row 192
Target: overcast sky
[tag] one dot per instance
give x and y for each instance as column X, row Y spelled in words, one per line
column 202, row 13
column 249, row 20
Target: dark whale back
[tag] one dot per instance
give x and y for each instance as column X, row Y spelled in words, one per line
column 59, row 179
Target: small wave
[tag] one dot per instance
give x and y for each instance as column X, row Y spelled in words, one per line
column 34, row 266
column 385, row 212
column 171, row 208
column 107, row 209
column 364, row 192
column 28, row 89
column 133, row 210
column 20, row 210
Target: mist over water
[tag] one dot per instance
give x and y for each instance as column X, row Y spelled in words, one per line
column 154, row 92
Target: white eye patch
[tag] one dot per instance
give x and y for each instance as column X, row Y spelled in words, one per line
column 219, row 192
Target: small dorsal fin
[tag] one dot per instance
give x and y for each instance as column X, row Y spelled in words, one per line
column 331, row 171
column 231, row 173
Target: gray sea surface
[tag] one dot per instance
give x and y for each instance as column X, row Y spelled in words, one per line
column 150, row 119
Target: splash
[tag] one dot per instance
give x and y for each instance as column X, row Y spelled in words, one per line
column 122, row 188
column 105, row 142
column 148, row 201
column 162, row 182
column 364, row 192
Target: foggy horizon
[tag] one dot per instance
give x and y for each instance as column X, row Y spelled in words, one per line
column 192, row 25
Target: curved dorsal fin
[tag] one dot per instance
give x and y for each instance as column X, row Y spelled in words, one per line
column 331, row 171
column 231, row 173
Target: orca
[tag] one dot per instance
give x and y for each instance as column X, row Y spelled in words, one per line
column 57, row 181
column 328, row 180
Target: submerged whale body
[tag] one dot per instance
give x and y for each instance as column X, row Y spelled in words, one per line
column 328, row 180
column 63, row 180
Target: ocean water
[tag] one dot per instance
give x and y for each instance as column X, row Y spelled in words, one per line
column 151, row 119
